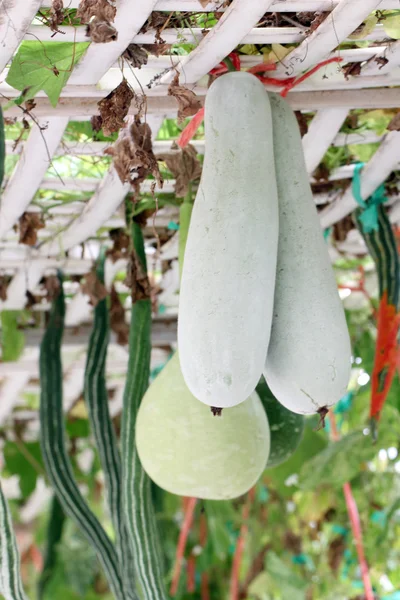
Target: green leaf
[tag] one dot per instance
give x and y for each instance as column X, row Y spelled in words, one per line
column 13, row 339
column 391, row 25
column 290, row 584
column 25, row 460
column 312, row 443
column 339, row 462
column 366, row 28
column 44, row 66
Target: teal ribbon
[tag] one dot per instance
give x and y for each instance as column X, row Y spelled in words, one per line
column 173, row 226
column 369, row 216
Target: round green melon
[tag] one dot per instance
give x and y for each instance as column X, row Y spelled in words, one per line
column 285, row 426
column 188, row 451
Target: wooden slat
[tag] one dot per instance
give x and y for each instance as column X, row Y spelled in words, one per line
column 321, row 133
column 377, row 170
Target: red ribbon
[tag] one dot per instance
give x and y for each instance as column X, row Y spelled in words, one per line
column 287, row 84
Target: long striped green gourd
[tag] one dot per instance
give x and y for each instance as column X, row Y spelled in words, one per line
column 55, row 456
column 138, row 507
column 54, row 534
column 383, row 248
column 96, row 397
column 10, row 576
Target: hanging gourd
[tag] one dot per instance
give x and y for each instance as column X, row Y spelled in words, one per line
column 309, row 356
column 228, row 278
column 188, row 451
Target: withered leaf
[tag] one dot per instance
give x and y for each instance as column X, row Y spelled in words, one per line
column 314, row 19
column 52, row 286
column 103, row 9
column 351, row 69
column 381, row 61
column 137, row 280
column 321, row 173
column 335, row 552
column 121, row 242
column 92, row 287
column 29, row 225
column 184, row 166
column 3, row 288
column 136, row 55
column 133, row 155
column 342, row 228
column 157, row 20
column 114, row 107
column 96, row 122
column 31, row 300
column 188, row 103
column 292, row 542
column 100, row 31
column 394, row 124
column 204, row 3
column 302, row 122
column 117, row 319
column 56, row 14
column 158, row 49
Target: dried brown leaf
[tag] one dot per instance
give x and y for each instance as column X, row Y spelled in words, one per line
column 96, row 122
column 381, row 61
column 103, row 9
column 3, row 288
column 117, row 319
column 114, row 107
column 29, row 225
column 335, row 552
column 321, row 173
column 121, row 243
column 92, row 287
column 312, row 20
column 31, row 300
column 133, row 155
column 342, row 228
column 158, row 49
column 394, row 124
column 302, row 122
column 293, row 542
column 137, row 280
column 351, row 69
column 204, row 3
column 52, row 287
column 136, row 55
column 184, row 166
column 188, row 103
column 56, row 14
column 101, row 32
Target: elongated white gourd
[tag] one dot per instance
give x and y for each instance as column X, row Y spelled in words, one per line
column 308, row 360
column 226, row 296
column 188, row 451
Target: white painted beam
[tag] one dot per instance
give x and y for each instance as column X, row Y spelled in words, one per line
column 277, row 5
column 83, row 108
column 339, row 24
column 391, row 52
column 10, row 391
column 321, row 133
column 26, row 278
column 100, row 57
column 234, row 26
column 34, row 161
column 377, row 170
column 103, row 204
column 15, row 18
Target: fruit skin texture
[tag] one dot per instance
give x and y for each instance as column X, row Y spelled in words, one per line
column 308, row 360
column 286, row 427
column 189, row 452
column 227, row 288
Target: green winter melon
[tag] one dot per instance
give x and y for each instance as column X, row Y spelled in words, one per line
column 188, row 451
column 286, row 427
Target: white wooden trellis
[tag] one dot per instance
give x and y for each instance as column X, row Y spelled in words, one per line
column 328, row 94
